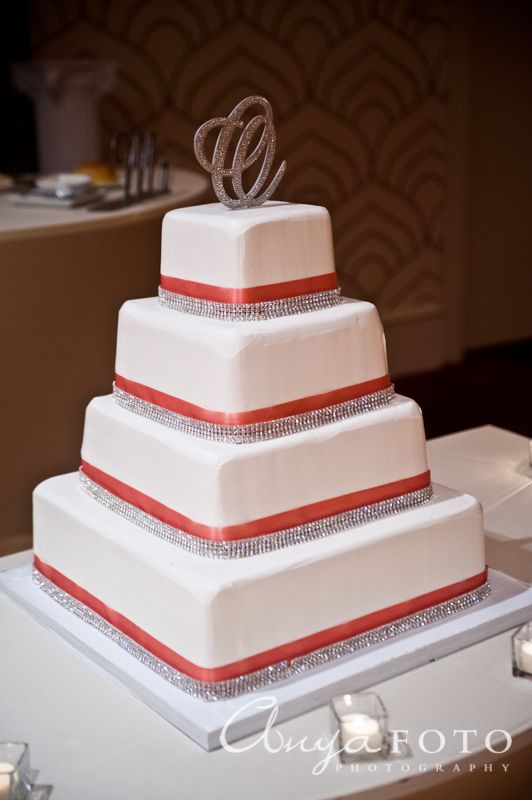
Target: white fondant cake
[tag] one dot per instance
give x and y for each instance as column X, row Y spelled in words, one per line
column 254, row 494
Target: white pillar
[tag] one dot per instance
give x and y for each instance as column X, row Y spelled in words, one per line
column 65, row 94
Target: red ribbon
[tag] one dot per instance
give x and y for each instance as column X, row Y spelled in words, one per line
column 295, row 649
column 300, row 406
column 257, row 527
column 250, row 294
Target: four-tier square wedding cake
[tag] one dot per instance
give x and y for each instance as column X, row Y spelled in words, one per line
column 254, row 499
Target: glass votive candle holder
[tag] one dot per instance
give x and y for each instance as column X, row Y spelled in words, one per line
column 362, row 723
column 15, row 779
column 522, row 651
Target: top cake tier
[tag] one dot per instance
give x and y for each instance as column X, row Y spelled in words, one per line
column 278, row 253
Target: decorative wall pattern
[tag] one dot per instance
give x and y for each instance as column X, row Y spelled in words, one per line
column 360, row 91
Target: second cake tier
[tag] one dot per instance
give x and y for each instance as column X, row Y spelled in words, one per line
column 247, row 381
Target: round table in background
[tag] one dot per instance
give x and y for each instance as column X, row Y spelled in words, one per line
column 64, row 273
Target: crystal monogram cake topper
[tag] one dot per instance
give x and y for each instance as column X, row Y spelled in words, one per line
column 241, row 159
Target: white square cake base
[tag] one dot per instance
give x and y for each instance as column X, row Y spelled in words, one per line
column 509, row 605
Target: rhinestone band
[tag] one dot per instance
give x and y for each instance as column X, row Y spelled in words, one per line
column 257, row 431
column 242, row 548
column 282, row 670
column 245, row 312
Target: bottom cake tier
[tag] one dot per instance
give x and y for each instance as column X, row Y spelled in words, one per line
column 221, row 628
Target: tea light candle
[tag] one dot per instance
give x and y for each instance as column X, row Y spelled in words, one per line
column 360, row 733
column 524, row 656
column 6, row 779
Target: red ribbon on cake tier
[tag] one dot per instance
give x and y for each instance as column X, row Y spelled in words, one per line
column 257, row 527
column 301, row 406
column 289, row 651
column 250, row 294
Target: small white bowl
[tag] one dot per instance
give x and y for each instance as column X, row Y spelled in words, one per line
column 64, row 183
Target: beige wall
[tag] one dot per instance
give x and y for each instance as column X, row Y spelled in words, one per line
column 499, row 245
column 363, row 98
column 411, row 121
column 416, row 136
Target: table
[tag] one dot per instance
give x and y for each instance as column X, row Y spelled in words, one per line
column 63, row 276
column 493, row 465
column 20, row 223
column 91, row 739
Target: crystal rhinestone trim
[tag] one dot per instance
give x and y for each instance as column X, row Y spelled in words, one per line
column 257, row 431
column 282, row 670
column 246, row 312
column 243, row 548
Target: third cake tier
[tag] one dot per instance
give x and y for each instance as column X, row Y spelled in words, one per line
column 310, row 483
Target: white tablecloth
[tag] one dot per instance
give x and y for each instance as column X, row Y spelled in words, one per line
column 90, row 739
column 493, row 465
column 20, row 223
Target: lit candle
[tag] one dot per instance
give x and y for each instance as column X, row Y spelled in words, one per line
column 524, row 657
column 361, row 733
column 6, row 777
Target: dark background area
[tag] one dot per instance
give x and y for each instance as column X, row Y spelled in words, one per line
column 17, row 132
column 490, row 386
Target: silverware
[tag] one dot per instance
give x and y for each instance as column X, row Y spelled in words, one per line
column 137, row 156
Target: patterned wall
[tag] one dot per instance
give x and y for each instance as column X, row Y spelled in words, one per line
column 360, row 91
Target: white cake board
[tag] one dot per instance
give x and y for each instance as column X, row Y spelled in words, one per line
column 509, row 605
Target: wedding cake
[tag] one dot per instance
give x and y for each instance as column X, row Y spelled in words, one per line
column 254, row 499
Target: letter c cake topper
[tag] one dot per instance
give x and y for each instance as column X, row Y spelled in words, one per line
column 241, row 159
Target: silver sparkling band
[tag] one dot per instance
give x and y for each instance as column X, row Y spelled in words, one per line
column 245, row 312
column 242, row 548
column 258, row 431
column 282, row 670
